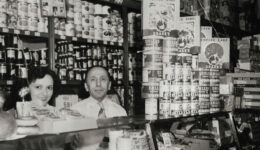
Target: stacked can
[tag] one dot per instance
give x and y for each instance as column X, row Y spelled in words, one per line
column 42, row 21
column 78, row 18
column 195, row 86
column 12, row 14
column 152, row 74
column 22, row 14
column 214, row 90
column 70, row 26
column 106, row 23
column 204, row 90
column 134, row 26
column 3, row 13
column 33, row 15
column 87, row 10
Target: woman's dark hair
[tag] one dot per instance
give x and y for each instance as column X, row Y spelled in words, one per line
column 34, row 73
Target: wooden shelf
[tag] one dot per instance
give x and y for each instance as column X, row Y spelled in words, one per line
column 92, row 41
column 24, row 32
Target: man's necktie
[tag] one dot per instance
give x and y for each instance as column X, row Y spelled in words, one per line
column 101, row 113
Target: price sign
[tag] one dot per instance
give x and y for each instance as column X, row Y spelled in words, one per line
column 16, row 31
column 5, row 30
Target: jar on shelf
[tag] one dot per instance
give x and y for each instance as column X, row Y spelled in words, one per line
column 3, row 71
column 62, row 72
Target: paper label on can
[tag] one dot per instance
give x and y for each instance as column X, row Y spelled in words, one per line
column 186, row 71
column 186, row 107
column 186, row 91
column 178, row 109
column 168, row 72
column 176, row 91
column 164, row 108
column 194, row 91
column 151, row 59
column 178, row 73
column 152, row 74
column 153, row 44
column 150, row 90
column 164, row 91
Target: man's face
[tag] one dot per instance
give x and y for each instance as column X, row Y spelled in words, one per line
column 98, row 83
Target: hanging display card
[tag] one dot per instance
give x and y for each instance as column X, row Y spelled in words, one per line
column 160, row 17
column 189, row 35
column 215, row 52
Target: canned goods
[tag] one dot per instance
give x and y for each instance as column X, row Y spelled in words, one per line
column 176, row 90
column 186, row 58
column 78, row 30
column 194, row 91
column 194, row 107
column 33, row 9
column 170, row 45
column 22, row 23
column 91, row 33
column 3, row 18
column 186, row 87
column 78, row 18
column 98, row 9
column 204, row 77
column 170, row 58
column 85, row 32
column 106, row 10
column 151, row 106
column 194, row 61
column 97, row 22
column 150, row 90
column 204, row 107
column 32, row 23
column 91, row 21
column 152, row 59
column 85, row 7
column 168, row 72
column 70, row 29
column 78, row 75
column 152, row 74
column 178, row 109
column 11, row 22
column 106, row 23
column 178, row 72
column 186, row 71
column 153, row 44
column 186, row 108
column 164, row 91
column 22, row 9
column 3, row 6
column 98, row 34
column 164, row 108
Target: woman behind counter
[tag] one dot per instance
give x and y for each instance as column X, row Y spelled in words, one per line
column 43, row 85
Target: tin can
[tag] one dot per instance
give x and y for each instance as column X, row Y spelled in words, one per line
column 3, row 6
column 22, row 23
column 78, row 18
column 178, row 109
column 186, row 71
column 194, row 91
column 204, row 107
column 85, row 21
column 152, row 59
column 32, row 10
column 168, row 72
column 70, row 12
column 194, row 61
column 178, row 72
column 106, row 10
column 32, row 23
column 85, row 7
column 170, row 45
column 98, row 34
column 204, row 79
column 195, row 107
column 152, row 74
column 77, row 6
column 78, row 75
column 150, row 90
column 91, row 8
column 186, row 87
column 164, row 108
column 78, row 30
column 186, row 58
column 3, row 19
column 106, row 35
column 98, row 9
column 106, row 23
column 164, row 91
column 177, row 91
column 186, row 107
column 153, row 44
column 97, row 22
column 215, row 106
column 70, row 29
column 91, row 33
column 170, row 58
column 22, row 9
column 151, row 106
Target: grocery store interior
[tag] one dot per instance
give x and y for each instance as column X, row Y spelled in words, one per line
column 108, row 74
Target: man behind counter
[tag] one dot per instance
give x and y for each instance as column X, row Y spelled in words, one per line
column 98, row 105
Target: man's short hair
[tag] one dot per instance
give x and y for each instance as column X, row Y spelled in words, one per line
column 93, row 67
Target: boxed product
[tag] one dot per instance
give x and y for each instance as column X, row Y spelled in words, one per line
column 205, row 32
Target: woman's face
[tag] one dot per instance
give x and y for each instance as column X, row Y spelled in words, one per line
column 41, row 90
